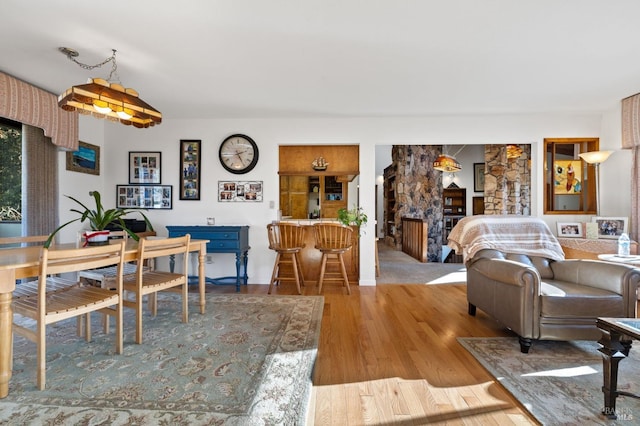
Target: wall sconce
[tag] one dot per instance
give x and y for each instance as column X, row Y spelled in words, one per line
column 103, row 99
column 514, row 151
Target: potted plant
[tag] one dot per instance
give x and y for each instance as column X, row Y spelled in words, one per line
column 99, row 218
column 355, row 216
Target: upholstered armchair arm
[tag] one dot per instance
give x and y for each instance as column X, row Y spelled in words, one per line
column 506, row 290
column 616, row 277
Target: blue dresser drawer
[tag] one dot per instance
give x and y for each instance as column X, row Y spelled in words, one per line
column 216, row 245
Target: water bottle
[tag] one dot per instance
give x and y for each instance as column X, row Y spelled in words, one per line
column 623, row 245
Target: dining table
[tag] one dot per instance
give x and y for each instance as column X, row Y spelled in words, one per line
column 24, row 262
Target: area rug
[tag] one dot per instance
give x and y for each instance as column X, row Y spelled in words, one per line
column 559, row 383
column 247, row 361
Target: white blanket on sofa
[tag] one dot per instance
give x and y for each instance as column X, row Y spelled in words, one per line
column 509, row 233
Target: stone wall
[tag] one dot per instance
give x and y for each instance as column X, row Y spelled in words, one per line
column 507, row 181
column 418, row 193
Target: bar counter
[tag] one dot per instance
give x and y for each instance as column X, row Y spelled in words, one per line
column 311, row 257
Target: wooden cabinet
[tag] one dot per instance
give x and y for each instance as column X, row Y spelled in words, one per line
column 454, row 209
column 455, row 201
column 294, row 196
column 333, row 197
column 389, row 201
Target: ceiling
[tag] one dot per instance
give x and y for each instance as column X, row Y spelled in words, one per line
column 336, row 58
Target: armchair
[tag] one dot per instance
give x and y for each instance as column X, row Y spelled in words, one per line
column 543, row 299
column 532, row 290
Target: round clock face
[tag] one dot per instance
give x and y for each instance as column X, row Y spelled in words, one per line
column 238, row 154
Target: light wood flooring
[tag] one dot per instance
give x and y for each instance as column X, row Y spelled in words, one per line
column 388, row 355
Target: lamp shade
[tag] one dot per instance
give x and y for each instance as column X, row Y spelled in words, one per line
column 112, row 101
column 595, row 157
column 446, row 163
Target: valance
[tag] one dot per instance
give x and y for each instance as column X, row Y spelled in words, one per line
column 631, row 121
column 28, row 104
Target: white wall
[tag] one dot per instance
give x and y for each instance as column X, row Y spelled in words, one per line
column 369, row 133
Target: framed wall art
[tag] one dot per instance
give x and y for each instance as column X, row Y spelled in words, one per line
column 478, row 177
column 567, row 177
column 85, row 160
column 569, row 229
column 239, row 191
column 189, row 169
column 144, row 167
column 611, row 227
column 144, row 196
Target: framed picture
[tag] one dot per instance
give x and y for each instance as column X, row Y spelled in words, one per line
column 144, row 196
column 85, row 160
column 611, row 227
column 189, row 169
column 478, row 177
column 144, row 167
column 567, row 177
column 569, row 229
column 239, row 191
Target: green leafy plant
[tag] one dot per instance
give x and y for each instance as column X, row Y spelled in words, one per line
column 99, row 218
column 355, row 216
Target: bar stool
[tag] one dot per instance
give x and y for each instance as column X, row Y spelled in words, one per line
column 333, row 240
column 287, row 240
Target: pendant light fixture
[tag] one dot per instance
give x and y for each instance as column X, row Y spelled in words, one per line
column 107, row 99
column 448, row 163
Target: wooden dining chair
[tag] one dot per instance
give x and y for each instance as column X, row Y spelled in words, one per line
column 53, row 298
column 149, row 283
column 105, row 277
column 333, row 240
column 12, row 242
column 287, row 240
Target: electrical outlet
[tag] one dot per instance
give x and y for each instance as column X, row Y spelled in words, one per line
column 209, row 258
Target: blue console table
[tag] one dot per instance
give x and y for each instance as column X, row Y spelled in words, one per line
column 222, row 239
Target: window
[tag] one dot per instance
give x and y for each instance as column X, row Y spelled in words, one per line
column 10, row 171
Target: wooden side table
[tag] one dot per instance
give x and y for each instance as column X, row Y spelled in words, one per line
column 583, row 248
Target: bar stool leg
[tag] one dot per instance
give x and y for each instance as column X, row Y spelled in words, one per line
column 274, row 275
column 323, row 265
column 296, row 276
column 344, row 273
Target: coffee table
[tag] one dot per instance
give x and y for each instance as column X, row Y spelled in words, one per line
column 617, row 334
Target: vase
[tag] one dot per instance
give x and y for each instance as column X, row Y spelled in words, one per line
column 96, row 238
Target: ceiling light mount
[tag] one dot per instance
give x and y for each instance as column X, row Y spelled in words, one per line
column 107, row 98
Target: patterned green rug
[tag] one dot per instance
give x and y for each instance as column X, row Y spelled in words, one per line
column 247, row 361
column 559, row 383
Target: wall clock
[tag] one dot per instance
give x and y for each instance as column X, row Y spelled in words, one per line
column 238, row 154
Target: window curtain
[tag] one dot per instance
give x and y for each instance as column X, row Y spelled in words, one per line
column 31, row 105
column 39, row 182
column 631, row 140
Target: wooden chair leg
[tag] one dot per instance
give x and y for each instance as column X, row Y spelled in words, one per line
column 344, row 273
column 41, row 347
column 185, row 302
column 296, row 276
column 377, row 260
column 138, row 308
column 323, row 265
column 274, row 274
column 300, row 269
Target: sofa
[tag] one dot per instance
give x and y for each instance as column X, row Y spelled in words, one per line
column 517, row 274
column 543, row 299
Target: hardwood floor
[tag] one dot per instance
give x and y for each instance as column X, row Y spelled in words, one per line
column 388, row 355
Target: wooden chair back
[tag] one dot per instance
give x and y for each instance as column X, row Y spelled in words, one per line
column 12, row 242
column 333, row 237
column 286, row 236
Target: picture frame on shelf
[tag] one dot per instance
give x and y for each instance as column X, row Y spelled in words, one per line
column 86, row 159
column 190, row 169
column 144, row 197
column 611, row 227
column 569, row 229
column 145, row 167
column 240, row 191
column 478, row 177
